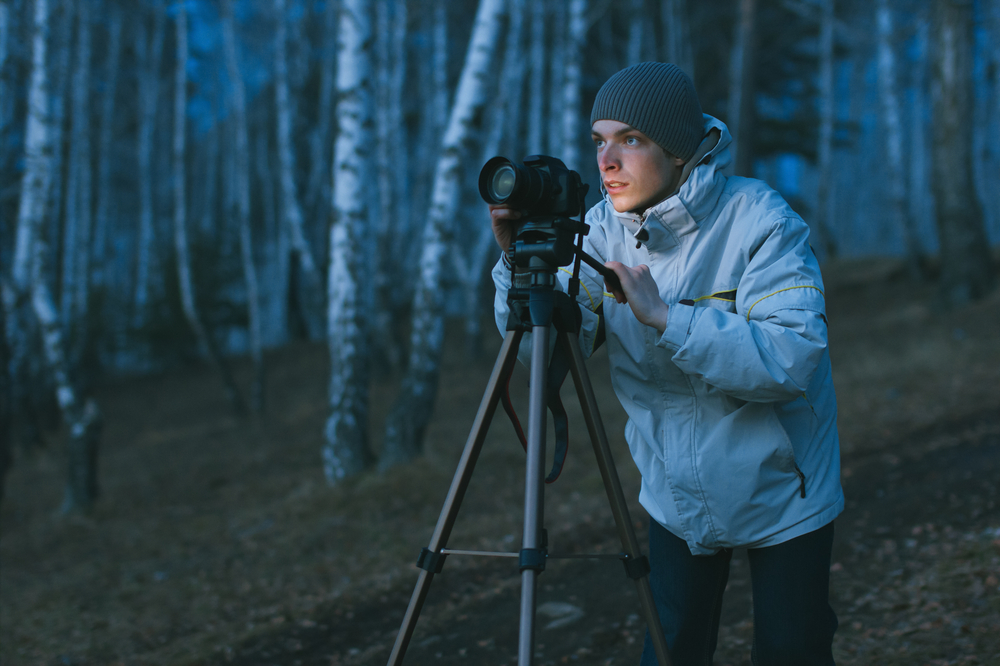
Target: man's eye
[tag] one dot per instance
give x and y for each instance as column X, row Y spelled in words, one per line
column 631, row 140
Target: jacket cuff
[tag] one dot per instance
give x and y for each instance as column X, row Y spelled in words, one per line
column 679, row 321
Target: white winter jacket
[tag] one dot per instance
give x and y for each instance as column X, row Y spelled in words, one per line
column 732, row 412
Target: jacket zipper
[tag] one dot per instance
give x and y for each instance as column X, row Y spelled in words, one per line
column 802, row 480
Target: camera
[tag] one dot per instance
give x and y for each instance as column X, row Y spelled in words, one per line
column 548, row 195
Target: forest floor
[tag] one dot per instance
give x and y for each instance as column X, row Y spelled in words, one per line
column 216, row 540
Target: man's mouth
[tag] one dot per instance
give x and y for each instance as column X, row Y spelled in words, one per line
column 613, row 185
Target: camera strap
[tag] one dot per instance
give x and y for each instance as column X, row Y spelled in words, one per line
column 558, row 369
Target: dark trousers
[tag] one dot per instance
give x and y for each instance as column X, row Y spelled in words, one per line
column 793, row 621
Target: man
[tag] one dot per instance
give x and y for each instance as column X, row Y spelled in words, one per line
column 717, row 341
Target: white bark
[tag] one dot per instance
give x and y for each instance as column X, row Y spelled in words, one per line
column 102, row 217
column 291, row 212
column 572, row 83
column 81, row 415
column 241, row 155
column 409, row 417
column 345, row 451
column 150, row 52
column 536, row 87
column 892, row 125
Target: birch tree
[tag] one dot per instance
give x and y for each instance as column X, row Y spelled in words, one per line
column 824, row 149
column 318, row 189
column 636, row 28
column 572, row 84
column 291, row 212
column 892, row 123
column 181, row 250
column 966, row 269
column 742, row 89
column 105, row 144
column 411, row 412
column 81, row 414
column 345, row 451
column 558, row 43
column 150, row 50
column 676, row 39
column 241, row 155
column 536, row 87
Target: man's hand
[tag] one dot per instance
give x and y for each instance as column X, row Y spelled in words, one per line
column 503, row 219
column 640, row 292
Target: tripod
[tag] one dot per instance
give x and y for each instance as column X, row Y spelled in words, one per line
column 536, row 309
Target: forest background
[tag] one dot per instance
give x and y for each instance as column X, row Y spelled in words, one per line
column 231, row 183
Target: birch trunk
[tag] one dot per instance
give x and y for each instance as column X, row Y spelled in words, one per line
column 276, row 271
column 559, row 43
column 241, row 155
column 150, row 51
column 572, row 84
column 345, row 451
column 81, row 414
column 291, row 213
column 207, row 225
column 677, row 43
column 536, row 88
column 181, row 251
column 6, row 394
column 318, row 190
column 966, row 268
column 742, row 89
column 892, row 124
column 412, row 410
column 5, row 103
column 636, row 30
column 824, row 149
column 921, row 206
column 102, row 217
column 76, row 229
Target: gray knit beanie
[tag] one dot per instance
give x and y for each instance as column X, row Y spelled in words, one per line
column 659, row 100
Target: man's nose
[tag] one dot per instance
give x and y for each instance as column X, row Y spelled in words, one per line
column 608, row 159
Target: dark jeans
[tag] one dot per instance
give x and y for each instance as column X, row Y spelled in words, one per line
column 793, row 621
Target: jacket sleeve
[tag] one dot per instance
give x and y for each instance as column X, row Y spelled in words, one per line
column 768, row 350
column 590, row 297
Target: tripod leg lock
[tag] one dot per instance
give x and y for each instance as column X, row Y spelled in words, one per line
column 431, row 561
column 635, row 567
column 533, row 558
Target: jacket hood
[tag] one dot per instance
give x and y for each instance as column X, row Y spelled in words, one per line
column 682, row 212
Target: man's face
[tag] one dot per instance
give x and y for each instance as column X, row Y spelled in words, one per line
column 636, row 172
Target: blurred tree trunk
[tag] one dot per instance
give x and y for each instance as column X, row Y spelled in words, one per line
column 345, row 451
column 241, row 155
column 536, row 85
column 105, row 145
column 558, row 42
column 919, row 186
column 276, row 257
column 892, row 124
column 181, row 250
column 6, row 394
column 150, row 51
column 392, row 220
column 318, row 190
column 81, row 414
column 470, row 267
column 5, row 98
column 76, row 238
column 966, row 268
column 207, row 227
column 572, row 84
column 677, row 42
column 411, row 412
column 636, row 28
column 824, row 150
column 742, row 115
column 309, row 287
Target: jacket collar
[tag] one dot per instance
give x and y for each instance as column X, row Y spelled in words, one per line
column 663, row 225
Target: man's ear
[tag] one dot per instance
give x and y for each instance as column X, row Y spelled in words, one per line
column 678, row 162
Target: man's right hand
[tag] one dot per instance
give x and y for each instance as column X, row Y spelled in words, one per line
column 503, row 219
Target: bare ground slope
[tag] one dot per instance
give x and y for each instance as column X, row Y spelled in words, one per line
column 216, row 540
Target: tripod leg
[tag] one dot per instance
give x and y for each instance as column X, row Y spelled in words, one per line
column 459, row 484
column 613, row 486
column 534, row 486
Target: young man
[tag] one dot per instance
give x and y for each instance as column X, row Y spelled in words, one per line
column 718, row 350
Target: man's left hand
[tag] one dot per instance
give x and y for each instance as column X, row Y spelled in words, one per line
column 640, row 292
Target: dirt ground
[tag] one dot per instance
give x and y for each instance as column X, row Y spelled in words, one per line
column 216, row 540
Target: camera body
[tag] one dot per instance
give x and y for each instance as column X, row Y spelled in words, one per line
column 548, row 195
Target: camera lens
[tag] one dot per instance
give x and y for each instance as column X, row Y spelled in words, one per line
column 502, row 183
